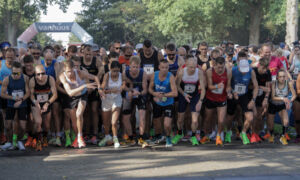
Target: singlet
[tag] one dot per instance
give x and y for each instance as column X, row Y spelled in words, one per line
column 92, row 68
column 4, row 72
column 79, row 82
column 149, row 65
column 220, row 94
column 262, row 79
column 42, row 93
column 240, row 82
column 138, row 81
column 173, row 68
column 50, row 70
column 296, row 62
column 114, row 84
column 16, row 88
column 200, row 62
column 163, row 86
column 281, row 92
column 190, row 83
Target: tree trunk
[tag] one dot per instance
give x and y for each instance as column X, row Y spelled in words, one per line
column 11, row 33
column 291, row 21
column 254, row 27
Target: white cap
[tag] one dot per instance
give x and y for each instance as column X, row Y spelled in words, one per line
column 244, row 66
column 139, row 46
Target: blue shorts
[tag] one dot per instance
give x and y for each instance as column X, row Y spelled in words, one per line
column 182, row 103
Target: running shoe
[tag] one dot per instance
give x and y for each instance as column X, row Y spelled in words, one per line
column 204, row 140
column 271, row 139
column 253, row 138
column 267, row 136
column 177, row 138
column 75, row 143
column 39, row 146
column 6, row 146
column 58, row 142
column 258, row 139
column 228, row 136
column 129, row 142
column 21, row 146
column 125, row 137
column 81, row 142
column 219, row 141
column 25, row 137
column 169, row 142
column 283, row 140
column 52, row 141
column 194, row 141
column 142, row 143
column 33, row 144
column 116, row 142
column 68, row 141
column 93, row 140
column 287, row 136
column 29, row 141
column 160, row 139
column 45, row 142
column 213, row 135
column 105, row 140
column 198, row 137
column 244, row 138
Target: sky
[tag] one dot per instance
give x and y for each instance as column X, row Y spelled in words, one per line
column 54, row 14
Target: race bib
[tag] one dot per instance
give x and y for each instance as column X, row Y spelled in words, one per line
column 260, row 92
column 240, row 89
column 42, row 98
column 218, row 90
column 189, row 88
column 149, row 68
column 17, row 94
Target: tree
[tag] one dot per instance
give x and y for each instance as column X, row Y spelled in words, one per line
column 291, row 21
column 16, row 13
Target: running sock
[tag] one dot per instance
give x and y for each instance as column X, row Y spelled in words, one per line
column 284, row 129
column 179, row 132
column 271, row 132
column 131, row 137
column 193, row 134
column 79, row 135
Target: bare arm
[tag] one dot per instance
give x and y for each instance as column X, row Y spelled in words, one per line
column 151, row 85
column 210, row 84
column 144, row 92
column 31, row 88
column 291, row 86
column 255, row 85
column 70, row 92
column 53, row 90
column 27, row 94
column 58, row 87
column 298, row 84
column 179, row 79
column 174, row 92
column 202, row 85
column 4, row 94
column 89, row 76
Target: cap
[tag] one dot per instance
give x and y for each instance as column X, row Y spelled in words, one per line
column 229, row 51
column 3, row 45
column 139, row 46
column 244, row 66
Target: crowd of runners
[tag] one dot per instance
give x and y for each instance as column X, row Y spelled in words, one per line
column 141, row 95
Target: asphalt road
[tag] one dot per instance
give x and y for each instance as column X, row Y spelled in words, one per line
column 235, row 161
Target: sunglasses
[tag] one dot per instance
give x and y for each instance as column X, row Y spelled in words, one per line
column 40, row 74
column 171, row 54
column 126, row 55
column 16, row 73
column 117, row 47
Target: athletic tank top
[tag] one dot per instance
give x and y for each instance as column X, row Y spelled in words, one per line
column 281, row 92
column 163, row 86
column 190, row 83
column 79, row 82
column 200, row 62
column 173, row 68
column 16, row 89
column 240, row 81
column 4, row 72
column 149, row 65
column 138, row 81
column 92, row 68
column 220, row 94
column 42, row 93
column 50, row 70
column 114, row 84
column 297, row 68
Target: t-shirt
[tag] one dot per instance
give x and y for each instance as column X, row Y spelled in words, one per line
column 263, row 78
column 274, row 65
column 122, row 60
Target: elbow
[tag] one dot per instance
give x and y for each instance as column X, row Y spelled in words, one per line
column 175, row 93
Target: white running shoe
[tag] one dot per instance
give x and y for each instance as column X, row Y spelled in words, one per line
column 6, row 146
column 21, row 146
column 116, row 142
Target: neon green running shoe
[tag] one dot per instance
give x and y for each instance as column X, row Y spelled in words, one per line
column 68, row 141
column 244, row 138
column 177, row 138
column 194, row 141
column 228, row 136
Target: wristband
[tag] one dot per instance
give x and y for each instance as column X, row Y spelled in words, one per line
column 184, row 94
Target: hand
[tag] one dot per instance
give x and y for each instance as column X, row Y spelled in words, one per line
column 287, row 103
column 156, row 99
column 17, row 104
column 91, row 85
column 37, row 104
column 187, row 98
column 265, row 103
column 158, row 95
column 129, row 95
column 236, row 96
column 229, row 95
column 220, row 86
column 45, row 107
column 198, row 106
column 102, row 94
column 135, row 93
column 251, row 104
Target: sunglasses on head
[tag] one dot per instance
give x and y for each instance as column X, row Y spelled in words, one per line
column 40, row 74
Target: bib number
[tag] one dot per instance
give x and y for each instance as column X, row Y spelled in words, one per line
column 17, row 94
column 218, row 91
column 240, row 89
column 149, row 69
column 189, row 88
column 260, row 92
column 42, row 98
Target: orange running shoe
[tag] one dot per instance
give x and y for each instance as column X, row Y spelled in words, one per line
column 45, row 142
column 287, row 136
column 75, row 143
column 253, row 138
column 219, row 141
column 204, row 140
column 125, row 137
column 257, row 137
column 29, row 141
column 33, row 143
column 39, row 146
column 267, row 136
